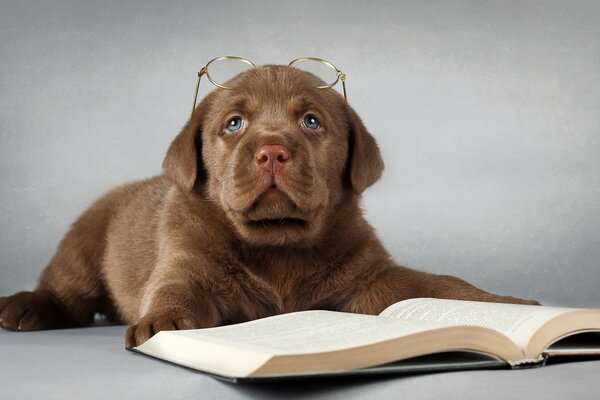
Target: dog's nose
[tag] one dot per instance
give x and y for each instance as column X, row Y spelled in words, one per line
column 272, row 157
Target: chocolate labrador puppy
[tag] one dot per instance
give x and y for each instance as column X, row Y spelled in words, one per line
column 257, row 214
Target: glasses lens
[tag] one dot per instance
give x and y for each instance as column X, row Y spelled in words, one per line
column 223, row 69
column 319, row 68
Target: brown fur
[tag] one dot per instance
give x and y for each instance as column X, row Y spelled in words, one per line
column 210, row 243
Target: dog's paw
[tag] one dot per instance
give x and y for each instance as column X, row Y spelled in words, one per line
column 29, row 311
column 155, row 322
column 529, row 302
column 515, row 300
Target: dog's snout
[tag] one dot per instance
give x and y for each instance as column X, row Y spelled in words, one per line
column 272, row 157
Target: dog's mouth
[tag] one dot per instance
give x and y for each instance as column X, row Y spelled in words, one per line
column 271, row 194
column 285, row 222
column 277, row 211
column 274, row 209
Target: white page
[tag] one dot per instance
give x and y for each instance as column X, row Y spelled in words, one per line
column 518, row 322
column 309, row 332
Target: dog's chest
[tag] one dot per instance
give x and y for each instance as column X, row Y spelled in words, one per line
column 289, row 286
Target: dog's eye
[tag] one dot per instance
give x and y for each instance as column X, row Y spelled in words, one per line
column 311, row 122
column 235, row 124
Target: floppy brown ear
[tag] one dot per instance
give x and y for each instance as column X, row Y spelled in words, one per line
column 183, row 162
column 365, row 164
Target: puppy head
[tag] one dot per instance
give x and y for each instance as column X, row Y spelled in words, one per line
column 275, row 153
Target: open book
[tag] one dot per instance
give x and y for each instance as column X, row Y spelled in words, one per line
column 410, row 336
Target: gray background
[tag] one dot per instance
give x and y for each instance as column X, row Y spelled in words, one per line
column 486, row 113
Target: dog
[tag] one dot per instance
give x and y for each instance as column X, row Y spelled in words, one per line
column 257, row 214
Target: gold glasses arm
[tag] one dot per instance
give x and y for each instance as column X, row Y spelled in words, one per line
column 201, row 72
column 342, row 77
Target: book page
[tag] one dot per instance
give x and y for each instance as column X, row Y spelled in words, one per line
column 518, row 322
column 309, row 332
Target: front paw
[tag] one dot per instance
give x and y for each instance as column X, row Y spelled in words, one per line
column 154, row 322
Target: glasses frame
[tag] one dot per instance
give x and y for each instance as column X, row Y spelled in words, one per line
column 340, row 76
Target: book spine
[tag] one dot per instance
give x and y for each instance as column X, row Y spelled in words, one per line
column 527, row 362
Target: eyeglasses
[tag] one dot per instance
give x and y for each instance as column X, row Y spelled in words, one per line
column 221, row 69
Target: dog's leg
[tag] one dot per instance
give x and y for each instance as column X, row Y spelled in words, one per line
column 65, row 297
column 382, row 287
column 176, row 297
column 176, row 310
column 451, row 287
column 70, row 290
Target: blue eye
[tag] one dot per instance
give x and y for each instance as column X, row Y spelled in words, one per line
column 235, row 124
column 311, row 122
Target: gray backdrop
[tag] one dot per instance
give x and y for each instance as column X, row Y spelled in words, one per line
column 486, row 112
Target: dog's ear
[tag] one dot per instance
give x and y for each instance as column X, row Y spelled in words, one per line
column 365, row 164
column 183, row 163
